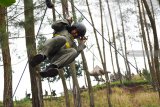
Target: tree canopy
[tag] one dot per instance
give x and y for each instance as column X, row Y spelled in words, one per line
column 7, row 3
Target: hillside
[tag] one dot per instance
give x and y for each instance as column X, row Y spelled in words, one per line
column 131, row 94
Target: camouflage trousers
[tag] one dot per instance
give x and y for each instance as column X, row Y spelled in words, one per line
column 56, row 52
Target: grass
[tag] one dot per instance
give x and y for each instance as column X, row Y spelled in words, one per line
column 1, row 104
column 23, row 103
column 121, row 97
column 132, row 94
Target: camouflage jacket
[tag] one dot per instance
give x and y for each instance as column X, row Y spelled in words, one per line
column 60, row 29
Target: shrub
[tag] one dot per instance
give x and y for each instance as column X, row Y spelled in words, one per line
column 146, row 75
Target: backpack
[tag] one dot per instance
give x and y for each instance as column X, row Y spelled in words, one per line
column 60, row 25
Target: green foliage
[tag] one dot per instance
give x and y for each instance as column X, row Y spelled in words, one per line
column 7, row 3
column 99, row 87
column 137, row 81
column 80, row 19
column 23, row 103
column 78, row 67
column 146, row 75
column 1, row 104
column 130, row 83
column 115, row 83
column 41, row 41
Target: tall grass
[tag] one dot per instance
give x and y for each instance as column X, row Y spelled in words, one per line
column 146, row 99
column 1, row 104
column 120, row 97
column 23, row 103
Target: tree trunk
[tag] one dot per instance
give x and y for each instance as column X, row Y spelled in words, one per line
column 7, row 95
column 115, row 46
column 123, row 55
column 85, row 66
column 140, row 33
column 145, row 44
column 36, row 88
column 125, row 45
column 90, row 89
column 152, row 8
column 53, row 11
column 137, row 70
column 110, row 48
column 156, row 44
column 144, row 36
column 99, row 50
column 104, row 56
column 145, row 63
column 73, row 10
column 61, row 74
column 61, row 71
column 158, row 1
column 76, row 90
column 65, row 8
column 153, row 73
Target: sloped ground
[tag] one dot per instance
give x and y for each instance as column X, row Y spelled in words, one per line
column 130, row 94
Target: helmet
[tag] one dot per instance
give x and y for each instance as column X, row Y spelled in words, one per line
column 81, row 29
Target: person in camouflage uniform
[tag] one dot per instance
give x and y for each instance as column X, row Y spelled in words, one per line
column 61, row 50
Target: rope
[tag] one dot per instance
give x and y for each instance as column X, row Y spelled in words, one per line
column 41, row 21
column 20, row 79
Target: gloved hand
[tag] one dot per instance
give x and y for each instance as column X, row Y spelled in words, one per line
column 49, row 4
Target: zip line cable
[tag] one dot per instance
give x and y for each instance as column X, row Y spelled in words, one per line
column 93, row 54
column 101, row 34
column 41, row 21
column 20, row 79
